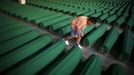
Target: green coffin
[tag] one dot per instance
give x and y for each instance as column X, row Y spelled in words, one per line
column 34, row 65
column 24, row 51
column 95, row 35
column 65, row 30
column 93, row 66
column 68, row 64
column 128, row 44
column 13, row 33
column 110, row 39
column 18, row 41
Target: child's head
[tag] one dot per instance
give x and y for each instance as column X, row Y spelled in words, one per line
column 92, row 19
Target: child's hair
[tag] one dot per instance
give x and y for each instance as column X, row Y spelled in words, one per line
column 92, row 19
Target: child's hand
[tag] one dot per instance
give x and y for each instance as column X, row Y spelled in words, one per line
column 82, row 34
column 76, row 36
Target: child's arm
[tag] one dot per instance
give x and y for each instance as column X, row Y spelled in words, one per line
column 74, row 22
